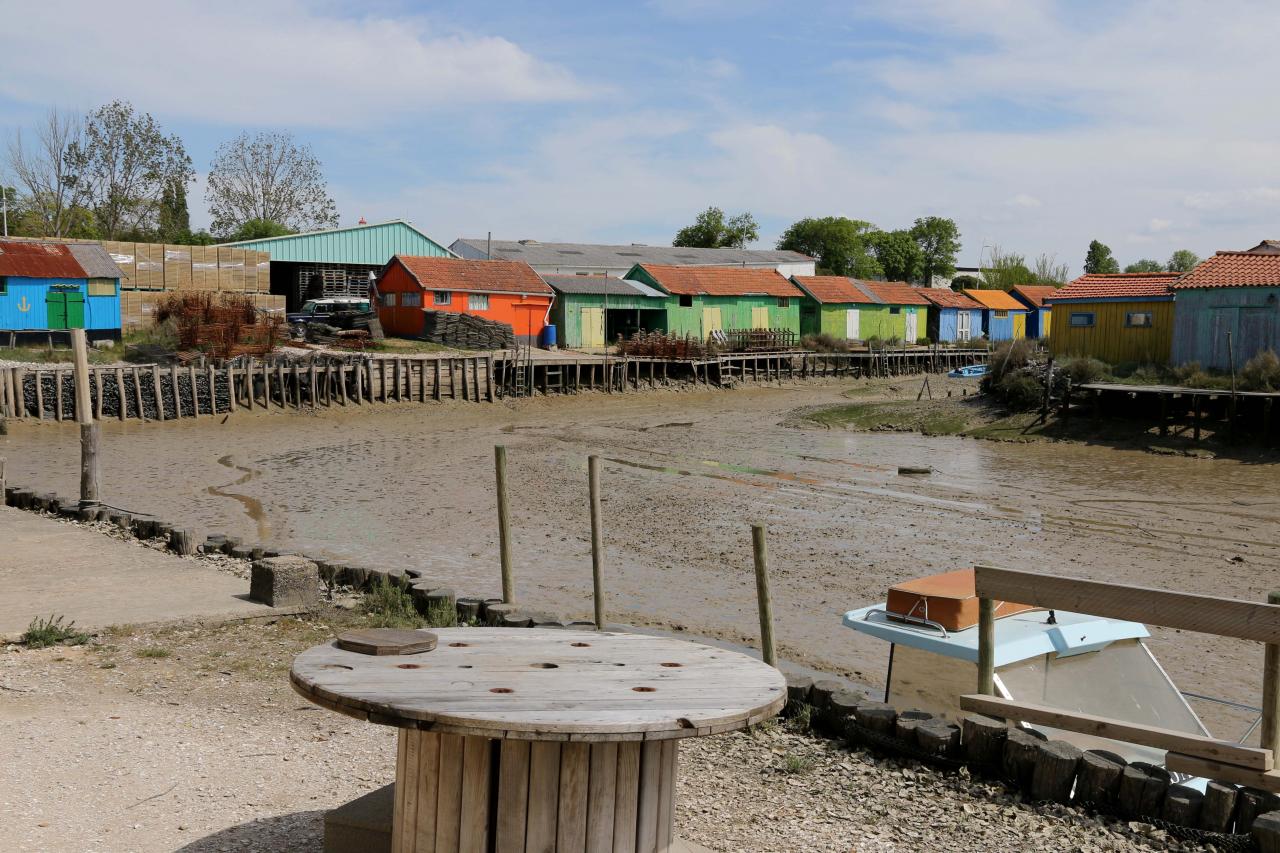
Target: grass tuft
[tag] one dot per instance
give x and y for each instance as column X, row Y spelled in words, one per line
column 387, row 605
column 42, row 633
column 154, row 652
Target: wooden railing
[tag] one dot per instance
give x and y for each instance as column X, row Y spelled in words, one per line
column 1224, row 617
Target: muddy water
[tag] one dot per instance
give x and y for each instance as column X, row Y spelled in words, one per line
column 686, row 474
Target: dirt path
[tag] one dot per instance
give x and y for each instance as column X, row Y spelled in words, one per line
column 412, row 486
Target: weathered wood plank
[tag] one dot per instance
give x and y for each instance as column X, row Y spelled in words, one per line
column 602, row 792
column 424, row 839
column 544, row 788
column 513, row 794
column 571, row 821
column 1223, row 772
column 650, row 792
column 627, row 797
column 1245, row 620
column 449, row 795
column 477, row 762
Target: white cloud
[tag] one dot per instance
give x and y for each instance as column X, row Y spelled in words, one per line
column 1155, row 226
column 286, row 63
column 1024, row 200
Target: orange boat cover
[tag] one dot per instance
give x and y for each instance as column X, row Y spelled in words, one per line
column 949, row 599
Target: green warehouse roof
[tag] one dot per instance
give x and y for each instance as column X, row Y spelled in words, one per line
column 357, row 244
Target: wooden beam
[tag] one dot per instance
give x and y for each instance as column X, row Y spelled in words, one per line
column 1222, row 772
column 1206, row 614
column 1197, row 746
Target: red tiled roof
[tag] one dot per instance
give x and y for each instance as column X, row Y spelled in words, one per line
column 832, row 289
column 720, row 281
column 1255, row 268
column 995, row 299
column 1125, row 285
column 482, row 276
column 896, row 292
column 38, row 260
column 946, row 298
column 1034, row 294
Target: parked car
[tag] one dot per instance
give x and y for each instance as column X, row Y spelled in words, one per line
column 322, row 311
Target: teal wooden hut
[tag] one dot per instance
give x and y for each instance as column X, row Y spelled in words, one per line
column 590, row 311
column 1228, row 308
column 702, row 300
column 51, row 287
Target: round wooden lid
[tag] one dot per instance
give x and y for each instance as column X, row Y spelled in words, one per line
column 387, row 641
column 547, row 684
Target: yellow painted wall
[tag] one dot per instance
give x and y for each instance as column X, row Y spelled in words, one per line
column 1109, row 339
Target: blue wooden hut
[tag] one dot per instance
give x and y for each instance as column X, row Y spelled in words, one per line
column 48, row 287
column 1003, row 317
column 952, row 316
column 1039, row 315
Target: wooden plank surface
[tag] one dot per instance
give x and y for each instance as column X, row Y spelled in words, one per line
column 544, row 683
column 571, row 820
column 449, row 795
column 405, row 833
column 1226, row 617
column 513, row 797
column 627, row 797
column 1160, row 738
column 667, row 793
column 650, row 791
column 602, row 792
column 428, row 790
column 544, row 788
column 1190, row 764
column 477, row 761
column 403, row 773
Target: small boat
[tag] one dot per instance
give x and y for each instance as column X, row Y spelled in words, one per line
column 1073, row 661
column 973, row 370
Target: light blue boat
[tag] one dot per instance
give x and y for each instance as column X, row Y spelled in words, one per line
column 971, row 371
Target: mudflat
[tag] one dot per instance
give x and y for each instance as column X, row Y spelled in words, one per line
column 685, row 475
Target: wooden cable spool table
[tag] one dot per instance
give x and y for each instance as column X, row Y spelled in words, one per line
column 515, row 739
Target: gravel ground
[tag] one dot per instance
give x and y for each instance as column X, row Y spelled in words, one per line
column 190, row 739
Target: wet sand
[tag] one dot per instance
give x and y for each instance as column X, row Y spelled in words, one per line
column 688, row 472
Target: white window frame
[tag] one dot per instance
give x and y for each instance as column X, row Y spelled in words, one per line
column 477, row 302
column 441, row 297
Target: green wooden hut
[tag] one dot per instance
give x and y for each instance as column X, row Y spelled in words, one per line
column 592, row 310
column 838, row 306
column 702, row 300
column 1227, row 309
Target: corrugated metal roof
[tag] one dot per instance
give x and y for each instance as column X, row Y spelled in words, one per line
column 606, row 256
column 373, row 245
column 38, row 260
column 600, row 285
column 95, row 261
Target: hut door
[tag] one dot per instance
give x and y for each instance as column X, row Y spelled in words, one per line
column 1019, row 325
column 710, row 321
column 64, row 309
column 851, row 324
column 593, row 327
column 963, row 318
column 759, row 317
column 911, row 332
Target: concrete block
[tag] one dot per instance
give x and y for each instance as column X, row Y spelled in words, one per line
column 362, row 825
column 285, row 582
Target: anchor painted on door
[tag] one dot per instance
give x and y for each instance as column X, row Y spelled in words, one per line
column 23, row 305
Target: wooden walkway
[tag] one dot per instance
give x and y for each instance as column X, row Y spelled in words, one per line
column 1177, row 409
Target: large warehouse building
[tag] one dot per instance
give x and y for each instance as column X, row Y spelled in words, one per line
column 339, row 261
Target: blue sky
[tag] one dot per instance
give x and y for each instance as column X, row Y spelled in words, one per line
column 1036, row 125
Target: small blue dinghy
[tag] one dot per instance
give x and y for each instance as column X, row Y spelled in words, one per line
column 968, row 372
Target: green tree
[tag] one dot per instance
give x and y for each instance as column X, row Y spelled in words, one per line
column 1145, row 265
column 268, row 177
column 713, row 231
column 1007, row 270
column 123, row 167
column 1182, row 261
column 939, row 242
column 965, row 282
column 52, row 198
column 1099, row 259
column 839, row 244
column 1049, row 271
column 898, row 254
column 174, row 220
column 258, row 229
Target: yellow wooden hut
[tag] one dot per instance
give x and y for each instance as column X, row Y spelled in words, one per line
column 1121, row 317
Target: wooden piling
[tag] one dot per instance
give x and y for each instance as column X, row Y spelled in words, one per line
column 57, row 391
column 597, row 539
column 120, row 393
column 763, row 600
column 177, row 397
column 89, row 472
column 213, row 387
column 504, row 523
column 195, row 396
column 986, row 646
column 137, row 392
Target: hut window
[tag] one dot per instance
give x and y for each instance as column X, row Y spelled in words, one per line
column 784, row 301
column 686, row 301
column 1082, row 318
column 441, row 297
column 1137, row 319
column 895, row 309
column 389, row 300
column 102, row 287
column 412, row 300
column 1002, row 315
column 478, row 301
column 4, row 285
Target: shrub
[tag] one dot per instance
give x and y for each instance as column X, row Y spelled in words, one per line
column 42, row 633
column 389, row 606
column 1083, row 370
column 1020, row 391
column 1261, row 373
column 924, row 341
column 1008, row 357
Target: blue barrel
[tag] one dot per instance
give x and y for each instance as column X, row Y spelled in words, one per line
column 548, row 337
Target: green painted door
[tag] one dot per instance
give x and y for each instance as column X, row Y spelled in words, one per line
column 64, row 309
column 75, row 309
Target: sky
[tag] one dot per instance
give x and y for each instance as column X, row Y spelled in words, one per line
column 1036, row 125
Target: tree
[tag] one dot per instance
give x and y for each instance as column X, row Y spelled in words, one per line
column 939, row 242
column 713, row 231
column 839, row 244
column 898, row 254
column 123, row 166
column 268, row 177
column 174, row 222
column 1182, row 261
column 258, row 229
column 1049, row 271
column 1145, row 265
column 42, row 166
column 1099, row 260
column 966, row 282
column 1007, row 270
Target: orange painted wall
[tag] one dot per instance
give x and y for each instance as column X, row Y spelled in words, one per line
column 526, row 314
